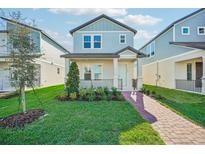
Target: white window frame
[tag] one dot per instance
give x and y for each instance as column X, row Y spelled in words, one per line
column 125, row 38
column 90, row 66
column 93, row 75
column 199, row 28
column 92, row 41
column 185, row 33
column 150, row 51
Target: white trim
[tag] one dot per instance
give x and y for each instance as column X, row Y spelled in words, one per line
column 120, row 38
column 49, row 62
column 92, row 41
column 199, row 28
column 183, row 32
column 101, row 71
column 103, row 32
column 184, row 54
column 174, row 31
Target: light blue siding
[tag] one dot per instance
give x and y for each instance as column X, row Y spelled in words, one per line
column 34, row 34
column 163, row 49
column 103, row 25
column 110, row 37
column 193, row 22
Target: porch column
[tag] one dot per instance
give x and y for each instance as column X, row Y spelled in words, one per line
column 115, row 72
column 67, row 66
column 203, row 76
column 139, row 74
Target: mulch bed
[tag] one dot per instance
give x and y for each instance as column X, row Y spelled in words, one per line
column 20, row 119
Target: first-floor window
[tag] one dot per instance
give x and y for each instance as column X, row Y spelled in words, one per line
column 87, row 73
column 58, row 70
column 97, row 72
column 189, row 71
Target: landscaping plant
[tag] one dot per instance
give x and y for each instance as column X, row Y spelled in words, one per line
column 23, row 52
column 73, row 79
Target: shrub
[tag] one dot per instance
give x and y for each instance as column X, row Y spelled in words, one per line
column 147, row 92
column 73, row 96
column 114, row 91
column 106, row 90
column 82, row 93
column 90, row 96
column 143, row 90
column 109, row 97
column 62, row 97
column 73, row 81
column 100, row 91
column 119, row 97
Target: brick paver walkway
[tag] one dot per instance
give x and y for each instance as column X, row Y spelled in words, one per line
column 172, row 128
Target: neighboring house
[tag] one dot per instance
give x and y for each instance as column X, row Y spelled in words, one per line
column 103, row 50
column 177, row 55
column 50, row 65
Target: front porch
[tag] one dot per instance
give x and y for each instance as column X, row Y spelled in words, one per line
column 190, row 74
column 119, row 70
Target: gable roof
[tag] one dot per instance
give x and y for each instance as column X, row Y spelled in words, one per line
column 171, row 25
column 39, row 30
column 100, row 17
column 103, row 55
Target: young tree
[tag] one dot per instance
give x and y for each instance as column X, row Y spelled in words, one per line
column 22, row 57
column 73, row 79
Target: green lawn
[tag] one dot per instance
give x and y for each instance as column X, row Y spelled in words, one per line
column 190, row 105
column 78, row 122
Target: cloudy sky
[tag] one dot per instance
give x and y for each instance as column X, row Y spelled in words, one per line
column 58, row 22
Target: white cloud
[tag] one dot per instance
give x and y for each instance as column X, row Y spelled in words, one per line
column 143, row 37
column 89, row 11
column 140, row 19
column 65, row 40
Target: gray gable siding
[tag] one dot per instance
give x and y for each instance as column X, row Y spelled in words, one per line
column 103, row 25
column 164, row 49
column 192, row 22
column 110, row 37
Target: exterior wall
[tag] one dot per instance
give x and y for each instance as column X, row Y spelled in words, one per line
column 170, row 69
column 110, row 37
column 163, row 49
column 181, row 68
column 34, row 34
column 3, row 41
column 192, row 22
column 50, row 62
column 107, row 66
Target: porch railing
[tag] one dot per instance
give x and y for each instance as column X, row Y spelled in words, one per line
column 189, row 85
column 109, row 83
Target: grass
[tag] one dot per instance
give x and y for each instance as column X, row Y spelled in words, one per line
column 190, row 105
column 78, row 122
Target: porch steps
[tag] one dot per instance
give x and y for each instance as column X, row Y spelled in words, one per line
column 136, row 99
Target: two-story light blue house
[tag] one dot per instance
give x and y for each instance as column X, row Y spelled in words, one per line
column 103, row 50
column 177, row 55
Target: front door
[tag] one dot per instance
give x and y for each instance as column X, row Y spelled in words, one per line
column 199, row 73
column 122, row 75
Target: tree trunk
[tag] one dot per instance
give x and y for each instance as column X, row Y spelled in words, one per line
column 23, row 99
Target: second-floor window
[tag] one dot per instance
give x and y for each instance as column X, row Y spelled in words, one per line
column 122, row 38
column 150, row 49
column 92, row 41
column 201, row 30
column 87, row 41
column 185, row 30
